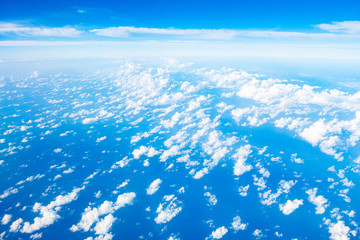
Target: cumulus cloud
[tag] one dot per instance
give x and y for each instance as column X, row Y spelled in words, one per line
column 319, row 201
column 219, row 232
column 240, row 157
column 49, row 212
column 211, row 198
column 6, row 219
column 89, row 120
column 339, row 231
column 168, row 209
column 16, row 225
column 290, row 206
column 154, row 186
column 143, row 150
column 243, row 190
column 92, row 215
column 103, row 226
column 238, row 225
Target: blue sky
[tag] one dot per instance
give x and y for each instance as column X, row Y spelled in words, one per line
column 249, row 27
column 241, row 14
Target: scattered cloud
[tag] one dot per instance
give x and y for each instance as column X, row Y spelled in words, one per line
column 168, row 209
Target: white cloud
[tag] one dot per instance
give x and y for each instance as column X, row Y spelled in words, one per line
column 168, row 209
column 6, row 219
column 339, row 231
column 89, row 120
column 240, row 157
column 49, row 213
column 16, row 225
column 149, row 151
column 91, row 215
column 22, row 30
column 104, row 225
column 154, row 186
column 243, row 190
column 219, row 233
column 318, row 201
column 290, row 206
column 124, row 32
column 36, row 236
column 199, row 174
column 211, row 198
column 9, row 192
column 349, row 27
column 238, row 225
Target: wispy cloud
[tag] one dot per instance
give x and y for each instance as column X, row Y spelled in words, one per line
column 22, row 30
column 347, row 27
column 333, row 30
column 194, row 33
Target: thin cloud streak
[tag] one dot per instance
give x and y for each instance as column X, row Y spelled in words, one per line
column 335, row 30
column 21, row 30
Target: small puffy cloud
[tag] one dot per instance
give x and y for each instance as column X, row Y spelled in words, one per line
column 168, row 209
column 339, row 231
column 294, row 158
column 154, row 186
column 290, row 206
column 243, row 190
column 319, row 201
column 9, row 192
column 89, row 120
column 199, row 174
column 219, row 233
column 240, row 157
column 258, row 233
column 49, row 212
column 143, row 150
column 104, row 225
column 211, row 198
column 36, row 236
column 238, row 225
column 92, row 215
column 6, row 219
column 16, row 225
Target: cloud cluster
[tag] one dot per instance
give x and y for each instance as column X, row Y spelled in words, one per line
column 92, row 215
column 318, row 200
column 168, row 209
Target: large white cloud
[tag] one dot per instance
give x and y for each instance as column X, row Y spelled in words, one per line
column 219, row 233
column 290, row 206
column 339, row 231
